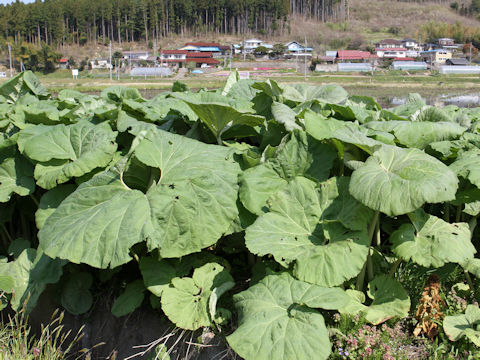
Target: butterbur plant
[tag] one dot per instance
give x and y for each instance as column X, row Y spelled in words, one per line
column 248, row 209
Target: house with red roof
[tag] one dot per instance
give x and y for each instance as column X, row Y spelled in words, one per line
column 354, row 56
column 180, row 57
column 63, row 63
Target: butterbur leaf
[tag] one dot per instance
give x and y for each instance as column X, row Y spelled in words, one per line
column 24, row 83
column 298, row 155
column 325, row 252
column 467, row 166
column 70, row 151
column 430, row 241
column 194, row 202
column 31, row 272
column 130, row 299
column 76, row 297
column 285, row 115
column 389, row 300
column 97, row 224
column 219, row 114
column 186, row 301
column 277, row 319
column 467, row 324
column 156, row 274
column 50, row 201
column 473, row 266
column 397, row 181
column 16, row 175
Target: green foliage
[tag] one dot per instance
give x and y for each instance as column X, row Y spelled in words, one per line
column 256, row 208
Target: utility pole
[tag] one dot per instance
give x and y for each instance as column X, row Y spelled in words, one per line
column 10, row 55
column 305, row 56
column 110, row 48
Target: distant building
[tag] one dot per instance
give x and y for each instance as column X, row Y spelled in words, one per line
column 294, row 47
column 410, row 44
column 389, row 43
column 180, row 57
column 457, row 62
column 409, row 65
column 100, row 64
column 63, row 63
column 436, row 57
column 445, row 42
column 135, row 55
column 354, row 56
column 252, row 44
column 391, row 53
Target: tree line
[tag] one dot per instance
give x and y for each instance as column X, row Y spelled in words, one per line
column 56, row 22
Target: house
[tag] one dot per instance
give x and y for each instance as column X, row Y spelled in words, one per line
column 135, row 55
column 100, row 64
column 445, row 42
column 251, row 44
column 435, row 57
column 180, row 57
column 354, row 55
column 294, row 47
column 410, row 44
column 457, row 62
column 63, row 63
column 391, row 52
column 389, row 43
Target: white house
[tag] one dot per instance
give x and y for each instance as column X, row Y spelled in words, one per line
column 252, row 44
column 388, row 43
column 173, row 54
column 410, row 44
column 391, row 53
column 294, row 47
column 100, row 64
column 136, row 55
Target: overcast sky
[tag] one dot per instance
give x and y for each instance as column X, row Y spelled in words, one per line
column 4, row 2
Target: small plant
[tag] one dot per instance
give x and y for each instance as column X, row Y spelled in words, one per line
column 53, row 343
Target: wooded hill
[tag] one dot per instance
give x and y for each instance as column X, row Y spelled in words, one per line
column 81, row 21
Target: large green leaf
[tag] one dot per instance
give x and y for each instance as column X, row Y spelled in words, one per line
column 16, row 174
column 23, row 83
column 157, row 274
column 130, row 299
column 467, row 166
column 420, row 134
column 98, row 223
column 218, row 113
column 277, row 320
column 297, row 155
column 186, row 301
column 285, row 116
column 467, row 324
column 430, row 241
column 50, row 201
column 303, row 92
column 70, row 151
column 194, row 202
column 303, row 226
column 31, row 272
column 396, row 181
column 76, row 297
column 389, row 300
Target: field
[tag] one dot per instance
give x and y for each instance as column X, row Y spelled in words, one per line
column 383, row 85
column 259, row 219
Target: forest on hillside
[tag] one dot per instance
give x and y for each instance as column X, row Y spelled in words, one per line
column 57, row 22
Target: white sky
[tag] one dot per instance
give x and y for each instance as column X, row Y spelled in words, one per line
column 4, row 2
